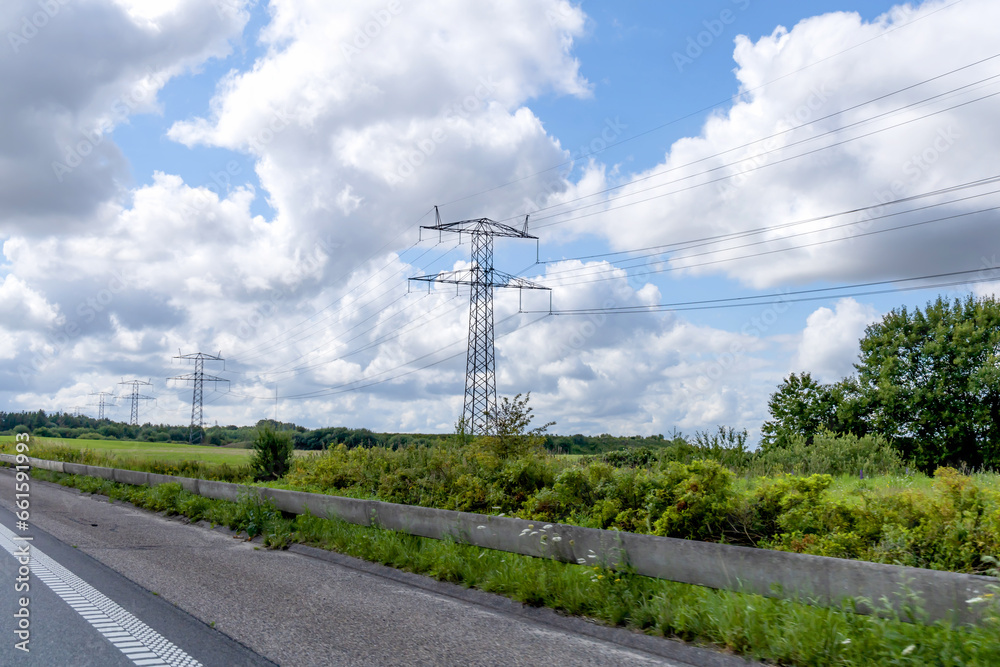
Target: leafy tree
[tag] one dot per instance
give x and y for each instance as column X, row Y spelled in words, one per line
column 804, row 407
column 272, row 453
column 930, row 382
column 509, row 434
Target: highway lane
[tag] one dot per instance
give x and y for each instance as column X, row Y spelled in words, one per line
column 83, row 613
column 297, row 610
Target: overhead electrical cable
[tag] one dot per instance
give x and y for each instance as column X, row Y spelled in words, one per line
column 781, row 297
column 760, row 230
column 590, row 270
column 727, row 100
column 758, row 167
column 786, row 249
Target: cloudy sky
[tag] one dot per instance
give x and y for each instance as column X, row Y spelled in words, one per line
column 243, row 177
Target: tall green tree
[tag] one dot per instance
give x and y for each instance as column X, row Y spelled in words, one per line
column 803, row 407
column 930, row 381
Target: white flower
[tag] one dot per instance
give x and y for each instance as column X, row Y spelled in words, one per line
column 480, row 527
column 556, row 538
column 502, row 513
column 909, row 649
column 534, row 532
column 546, row 526
column 524, row 532
column 581, row 561
column 846, row 641
column 592, row 555
column 975, row 600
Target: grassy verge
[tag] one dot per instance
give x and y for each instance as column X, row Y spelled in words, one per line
column 779, row 631
column 169, row 452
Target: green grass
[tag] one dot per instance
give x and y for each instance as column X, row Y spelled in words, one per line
column 171, row 452
column 778, row 631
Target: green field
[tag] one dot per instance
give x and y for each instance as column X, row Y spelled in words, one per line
column 158, row 451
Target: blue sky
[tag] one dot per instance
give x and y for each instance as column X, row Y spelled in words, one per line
column 264, row 203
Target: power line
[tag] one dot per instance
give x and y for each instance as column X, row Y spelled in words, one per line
column 776, row 135
column 798, row 247
column 707, row 240
column 710, row 107
column 729, row 176
column 779, row 297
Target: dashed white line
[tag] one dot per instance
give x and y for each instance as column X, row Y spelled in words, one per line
column 136, row 640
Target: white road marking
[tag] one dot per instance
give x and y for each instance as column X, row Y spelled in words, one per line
column 136, row 640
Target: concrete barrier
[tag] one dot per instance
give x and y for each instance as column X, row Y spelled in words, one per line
column 814, row 580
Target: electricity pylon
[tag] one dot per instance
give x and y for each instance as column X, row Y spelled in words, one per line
column 480, row 365
column 102, row 401
column 135, row 397
column 199, row 378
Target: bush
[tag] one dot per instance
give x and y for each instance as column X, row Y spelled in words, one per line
column 692, row 501
column 272, row 453
column 830, row 454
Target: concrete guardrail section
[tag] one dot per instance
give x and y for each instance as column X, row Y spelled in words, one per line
column 810, row 579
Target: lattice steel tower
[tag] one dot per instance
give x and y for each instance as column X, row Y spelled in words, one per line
column 102, row 401
column 199, row 378
column 480, row 365
column 135, row 396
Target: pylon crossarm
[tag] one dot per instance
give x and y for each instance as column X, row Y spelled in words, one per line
column 474, row 276
column 482, row 226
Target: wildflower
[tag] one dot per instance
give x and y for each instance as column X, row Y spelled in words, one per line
column 502, row 514
column 534, row 532
column 480, row 527
column 581, row 561
column 546, row 526
column 600, row 576
column 909, row 649
column 618, row 581
column 975, row 600
column 556, row 538
column 846, row 642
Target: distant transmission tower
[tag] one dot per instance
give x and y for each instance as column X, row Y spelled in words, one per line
column 102, row 397
column 199, row 378
column 480, row 365
column 135, row 397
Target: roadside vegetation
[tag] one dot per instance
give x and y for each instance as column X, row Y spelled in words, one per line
column 895, row 464
column 778, row 631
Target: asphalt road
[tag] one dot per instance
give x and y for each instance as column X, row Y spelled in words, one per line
column 224, row 601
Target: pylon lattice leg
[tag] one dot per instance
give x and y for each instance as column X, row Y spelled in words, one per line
column 480, row 368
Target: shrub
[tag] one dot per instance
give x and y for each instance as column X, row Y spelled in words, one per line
column 830, row 454
column 691, row 501
column 272, row 453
